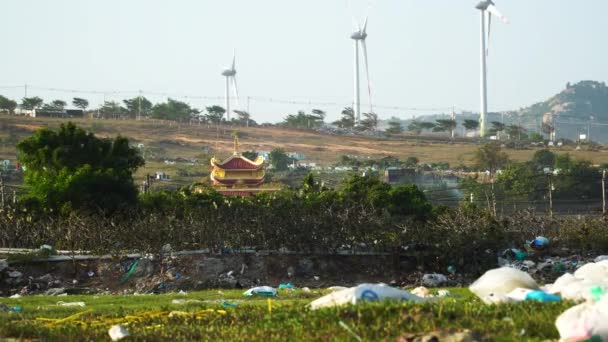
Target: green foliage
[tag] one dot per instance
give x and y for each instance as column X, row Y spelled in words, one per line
column 7, row 104
column 369, row 122
column 394, row 127
column 496, row 128
column 347, row 119
column 515, row 132
column 138, row 106
column 56, row 106
column 417, row 126
column 73, row 169
column 470, row 124
column 544, row 158
column 173, row 110
column 445, row 125
column 30, row 103
column 80, row 103
column 490, row 157
column 279, row 160
column 303, row 120
column 251, row 155
column 215, row 114
column 112, row 109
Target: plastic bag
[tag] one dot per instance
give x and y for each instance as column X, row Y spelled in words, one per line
column 584, row 322
column 500, row 282
column 363, row 292
column 266, row 291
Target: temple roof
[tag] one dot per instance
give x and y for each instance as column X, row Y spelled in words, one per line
column 238, row 162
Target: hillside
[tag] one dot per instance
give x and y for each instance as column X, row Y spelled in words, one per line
column 180, row 145
column 580, row 106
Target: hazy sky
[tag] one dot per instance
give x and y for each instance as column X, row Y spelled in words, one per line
column 422, row 53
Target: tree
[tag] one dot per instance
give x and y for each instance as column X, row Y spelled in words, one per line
column 370, row 121
column 414, row 127
column 72, row 169
column 394, row 127
column 173, row 110
column 112, row 109
column 515, row 131
column 496, row 128
column 470, row 125
column 7, row 104
column 31, row 103
column 279, row 160
column 251, row 155
column 445, row 125
column 490, row 157
column 55, row 106
column 347, row 120
column 215, row 114
column 138, row 106
column 244, row 118
column 80, row 103
column 544, row 158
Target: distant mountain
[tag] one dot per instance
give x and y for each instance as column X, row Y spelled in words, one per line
column 579, row 108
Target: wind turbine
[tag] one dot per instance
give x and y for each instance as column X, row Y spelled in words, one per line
column 230, row 74
column 359, row 37
column 487, row 10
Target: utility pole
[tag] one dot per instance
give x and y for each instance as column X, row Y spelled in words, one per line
column 25, row 90
column 604, row 192
column 139, row 106
column 550, row 197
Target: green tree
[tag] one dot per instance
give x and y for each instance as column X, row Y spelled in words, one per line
column 244, row 118
column 347, row 120
column 7, row 104
column 470, row 125
column 515, row 131
column 496, row 128
column 251, row 155
column 394, row 127
column 112, row 109
column 490, row 157
column 173, row 110
column 56, row 105
column 417, row 126
column 72, row 169
column 80, row 103
column 445, row 125
column 544, row 158
column 215, row 114
column 369, row 122
column 138, row 106
column 279, row 160
column 31, row 103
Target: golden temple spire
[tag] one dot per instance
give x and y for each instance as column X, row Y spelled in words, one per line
column 237, row 150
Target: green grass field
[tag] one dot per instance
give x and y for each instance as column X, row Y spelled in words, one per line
column 286, row 318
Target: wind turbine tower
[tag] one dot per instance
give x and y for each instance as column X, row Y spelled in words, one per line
column 359, row 37
column 487, row 10
column 230, row 74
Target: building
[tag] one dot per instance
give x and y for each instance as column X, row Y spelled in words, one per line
column 396, row 175
column 237, row 175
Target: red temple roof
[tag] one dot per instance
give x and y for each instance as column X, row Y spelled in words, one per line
column 238, row 162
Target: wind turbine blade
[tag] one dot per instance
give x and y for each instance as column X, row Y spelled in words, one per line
column 236, row 91
column 369, row 87
column 494, row 11
column 364, row 25
column 234, row 60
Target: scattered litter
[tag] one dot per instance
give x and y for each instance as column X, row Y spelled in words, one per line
column 55, row 291
column 541, row 296
column 597, row 259
column 587, row 321
column 421, row 291
column 337, row 288
column 182, row 292
column 6, row 308
column 306, row 290
column 287, row 286
column 91, row 274
column 71, row 304
column 452, row 269
column 118, row 332
column 316, row 278
column 266, row 291
column 363, row 292
column 15, row 296
column 185, row 301
column 15, row 274
column 434, row 279
column 3, row 264
column 349, row 330
column 540, row 243
column 499, row 282
column 226, row 304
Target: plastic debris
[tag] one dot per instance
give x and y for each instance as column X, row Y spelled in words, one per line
column 306, row 290
column 129, row 273
column 266, row 291
column 363, row 292
column 500, row 282
column 434, row 279
column 541, row 296
column 6, row 308
column 452, row 269
column 91, row 274
column 3, row 264
column 337, row 288
column 540, row 243
column 587, row 321
column 185, row 301
column 288, row 286
column 71, row 303
column 421, row 291
column 226, row 304
column 118, row 332
column 182, row 293
column 601, row 258
column 15, row 296
column 15, row 274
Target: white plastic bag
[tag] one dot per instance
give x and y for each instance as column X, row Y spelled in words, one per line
column 261, row 291
column 500, row 281
column 434, row 280
column 363, row 292
column 584, row 321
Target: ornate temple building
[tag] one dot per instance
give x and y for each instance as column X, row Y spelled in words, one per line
column 237, row 175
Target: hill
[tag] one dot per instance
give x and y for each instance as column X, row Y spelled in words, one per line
column 183, row 151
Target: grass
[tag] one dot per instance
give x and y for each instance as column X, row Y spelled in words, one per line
column 148, row 317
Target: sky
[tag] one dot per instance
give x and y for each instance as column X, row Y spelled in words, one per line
column 298, row 55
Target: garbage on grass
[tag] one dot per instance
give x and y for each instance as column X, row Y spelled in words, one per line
column 589, row 282
column 521, row 294
column 288, row 286
column 226, row 304
column 6, row 308
column 434, row 280
column 499, row 282
column 424, row 292
column 118, row 332
column 265, row 291
column 587, row 321
column 363, row 292
column 185, row 301
column 540, row 243
column 71, row 303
